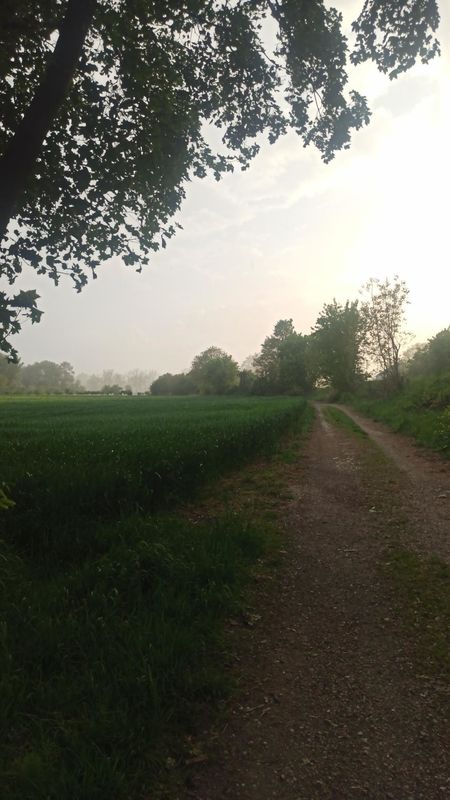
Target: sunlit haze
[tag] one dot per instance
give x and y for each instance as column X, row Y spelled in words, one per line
column 278, row 241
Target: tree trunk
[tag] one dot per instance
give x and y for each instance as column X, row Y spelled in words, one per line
column 19, row 159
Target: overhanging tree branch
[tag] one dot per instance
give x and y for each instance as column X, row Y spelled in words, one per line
column 19, row 159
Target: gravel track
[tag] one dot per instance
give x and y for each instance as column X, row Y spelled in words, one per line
column 331, row 705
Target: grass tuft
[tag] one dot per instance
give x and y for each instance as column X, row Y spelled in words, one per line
column 424, row 586
column 104, row 664
column 342, row 420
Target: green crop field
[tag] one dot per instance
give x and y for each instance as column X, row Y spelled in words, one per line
column 112, row 602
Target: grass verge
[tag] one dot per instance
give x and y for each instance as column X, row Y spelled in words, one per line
column 424, row 588
column 430, row 427
column 105, row 664
column 342, row 420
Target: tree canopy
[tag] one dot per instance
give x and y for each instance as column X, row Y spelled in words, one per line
column 40, row 377
column 268, row 361
column 337, row 344
column 383, row 313
column 431, row 358
column 106, row 108
column 214, row 371
column 178, row 384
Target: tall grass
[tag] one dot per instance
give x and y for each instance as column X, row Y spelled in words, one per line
column 421, row 410
column 424, row 586
column 103, row 663
column 113, row 617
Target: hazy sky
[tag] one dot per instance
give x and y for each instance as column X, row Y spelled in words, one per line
column 278, row 241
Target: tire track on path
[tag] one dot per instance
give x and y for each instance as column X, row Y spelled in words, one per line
column 331, row 705
column 424, row 491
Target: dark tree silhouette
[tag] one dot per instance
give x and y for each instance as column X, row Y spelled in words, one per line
column 104, row 105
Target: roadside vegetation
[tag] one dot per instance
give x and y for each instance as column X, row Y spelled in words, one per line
column 360, row 353
column 420, row 406
column 342, row 420
column 106, row 659
column 114, row 598
column 113, row 617
column 416, row 411
column 423, row 585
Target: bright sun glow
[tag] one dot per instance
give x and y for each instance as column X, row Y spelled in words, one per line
column 407, row 231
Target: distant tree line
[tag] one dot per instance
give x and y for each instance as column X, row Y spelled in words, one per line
column 212, row 372
column 47, row 377
column 41, row 377
column 135, row 381
column 349, row 344
column 359, row 344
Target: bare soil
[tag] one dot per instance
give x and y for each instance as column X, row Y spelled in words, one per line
column 331, row 704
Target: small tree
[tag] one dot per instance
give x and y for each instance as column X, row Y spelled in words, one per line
column 268, row 362
column 295, row 365
column 383, row 314
column 169, row 384
column 112, row 389
column 214, row 371
column 337, row 342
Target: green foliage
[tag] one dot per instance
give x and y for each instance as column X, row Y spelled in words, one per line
column 115, row 154
column 392, row 38
column 48, row 377
column 283, row 364
column 267, row 362
column 247, row 380
column 421, row 410
column 383, row 317
column 214, row 371
column 169, row 384
column 337, row 345
column 103, row 662
column 112, row 619
column 13, row 309
column 295, row 364
column 443, row 430
column 342, row 420
column 433, row 358
column 40, row 377
column 5, row 501
column 112, row 389
column 90, row 458
column 424, row 587
column 9, row 376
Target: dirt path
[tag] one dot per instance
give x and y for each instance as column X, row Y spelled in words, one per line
column 425, row 490
column 331, row 705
